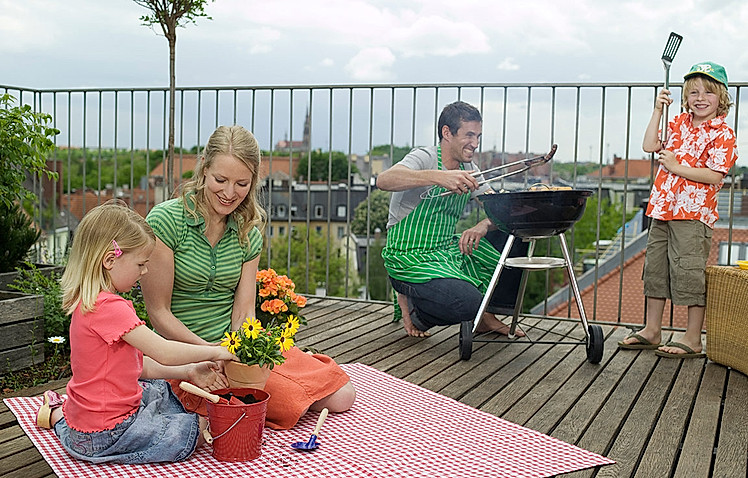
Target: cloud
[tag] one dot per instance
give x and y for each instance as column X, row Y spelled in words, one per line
column 508, row 64
column 408, row 29
column 23, row 31
column 262, row 40
column 434, row 35
column 327, row 62
column 371, row 64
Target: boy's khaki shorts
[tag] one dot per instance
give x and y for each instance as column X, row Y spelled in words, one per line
column 675, row 263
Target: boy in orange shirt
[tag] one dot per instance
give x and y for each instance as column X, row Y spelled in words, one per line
column 699, row 151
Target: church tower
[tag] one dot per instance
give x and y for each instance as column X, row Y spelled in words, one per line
column 306, row 142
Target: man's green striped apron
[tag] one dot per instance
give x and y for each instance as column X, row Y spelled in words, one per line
column 424, row 246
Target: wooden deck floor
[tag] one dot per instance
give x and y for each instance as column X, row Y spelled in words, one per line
column 655, row 417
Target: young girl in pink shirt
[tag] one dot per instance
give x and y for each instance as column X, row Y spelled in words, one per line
column 115, row 410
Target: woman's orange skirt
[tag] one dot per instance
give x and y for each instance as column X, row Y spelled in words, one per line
column 293, row 386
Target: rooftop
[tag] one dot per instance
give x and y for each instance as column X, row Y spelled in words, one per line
column 655, row 417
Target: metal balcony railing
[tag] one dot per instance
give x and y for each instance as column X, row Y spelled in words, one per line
column 591, row 123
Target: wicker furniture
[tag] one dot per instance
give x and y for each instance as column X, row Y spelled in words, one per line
column 727, row 316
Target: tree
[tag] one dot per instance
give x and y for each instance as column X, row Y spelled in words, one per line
column 170, row 14
column 322, row 164
column 378, row 209
column 315, row 264
column 585, row 235
column 25, row 144
column 378, row 278
column 398, row 152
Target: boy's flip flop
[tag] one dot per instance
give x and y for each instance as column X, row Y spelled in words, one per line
column 640, row 344
column 689, row 353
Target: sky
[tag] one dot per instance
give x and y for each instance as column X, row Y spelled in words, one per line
column 95, row 43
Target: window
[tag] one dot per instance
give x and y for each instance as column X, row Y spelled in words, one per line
column 294, row 210
column 282, row 230
column 341, row 210
column 341, row 232
column 319, row 211
column 281, row 210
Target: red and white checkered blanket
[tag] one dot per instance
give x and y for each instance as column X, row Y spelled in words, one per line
column 395, row 429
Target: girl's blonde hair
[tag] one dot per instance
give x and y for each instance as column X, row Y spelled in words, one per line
column 85, row 276
column 242, row 145
column 711, row 85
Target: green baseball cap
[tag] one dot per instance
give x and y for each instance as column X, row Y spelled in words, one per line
column 710, row 69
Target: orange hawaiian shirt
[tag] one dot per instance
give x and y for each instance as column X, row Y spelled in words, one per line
column 710, row 145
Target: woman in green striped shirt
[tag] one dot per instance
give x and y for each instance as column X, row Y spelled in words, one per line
column 203, row 274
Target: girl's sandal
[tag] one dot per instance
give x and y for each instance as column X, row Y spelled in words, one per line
column 52, row 400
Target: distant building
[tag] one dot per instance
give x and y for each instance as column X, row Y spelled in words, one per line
column 287, row 147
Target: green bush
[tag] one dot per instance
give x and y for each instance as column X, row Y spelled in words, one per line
column 17, row 238
column 25, row 144
column 31, row 280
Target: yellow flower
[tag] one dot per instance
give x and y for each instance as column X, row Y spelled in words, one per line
column 231, row 341
column 285, row 341
column 292, row 325
column 252, row 327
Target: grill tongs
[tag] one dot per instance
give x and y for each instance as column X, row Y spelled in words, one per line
column 526, row 164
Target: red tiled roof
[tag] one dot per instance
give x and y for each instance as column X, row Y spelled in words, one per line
column 75, row 201
column 605, row 306
column 189, row 162
column 637, row 168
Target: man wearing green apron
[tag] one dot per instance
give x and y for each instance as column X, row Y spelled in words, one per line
column 443, row 275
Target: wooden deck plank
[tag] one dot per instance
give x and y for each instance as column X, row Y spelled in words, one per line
column 622, row 374
column 662, row 452
column 696, row 456
column 35, row 469
column 543, row 358
column 24, row 463
column 482, row 363
column 732, row 448
column 499, row 363
column 655, row 417
column 655, row 376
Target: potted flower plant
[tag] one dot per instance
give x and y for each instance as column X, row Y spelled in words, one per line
column 260, row 342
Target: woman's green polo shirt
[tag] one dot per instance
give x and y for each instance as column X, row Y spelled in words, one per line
column 205, row 277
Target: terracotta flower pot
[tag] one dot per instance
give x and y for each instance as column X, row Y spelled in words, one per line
column 246, row 376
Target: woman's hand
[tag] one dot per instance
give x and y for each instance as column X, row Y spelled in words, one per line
column 208, row 376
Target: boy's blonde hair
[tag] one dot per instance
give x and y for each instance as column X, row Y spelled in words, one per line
column 85, row 276
column 711, row 85
column 242, row 145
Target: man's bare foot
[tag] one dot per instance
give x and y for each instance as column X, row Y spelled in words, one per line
column 411, row 329
column 489, row 323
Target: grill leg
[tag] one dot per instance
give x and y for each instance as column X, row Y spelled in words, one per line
column 573, row 283
column 494, row 281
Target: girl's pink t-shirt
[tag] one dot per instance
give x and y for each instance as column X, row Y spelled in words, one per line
column 104, row 390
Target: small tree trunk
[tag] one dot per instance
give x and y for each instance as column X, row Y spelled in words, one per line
column 172, row 98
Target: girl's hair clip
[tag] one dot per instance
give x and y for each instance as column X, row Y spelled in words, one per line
column 117, row 250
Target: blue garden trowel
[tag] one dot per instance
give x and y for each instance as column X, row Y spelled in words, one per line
column 312, row 443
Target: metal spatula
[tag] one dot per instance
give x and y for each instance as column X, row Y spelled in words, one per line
column 671, row 48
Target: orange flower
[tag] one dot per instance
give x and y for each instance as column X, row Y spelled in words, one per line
column 274, row 306
column 300, row 300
